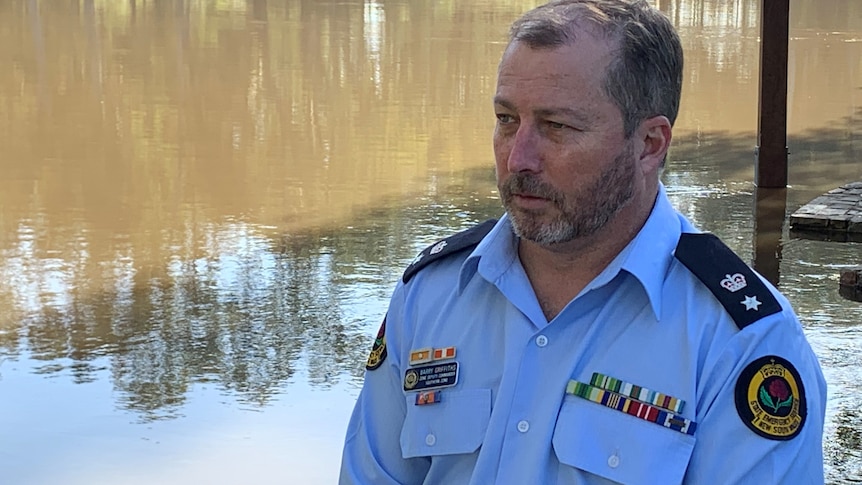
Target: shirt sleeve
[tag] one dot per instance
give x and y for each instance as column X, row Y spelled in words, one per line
column 761, row 409
column 372, row 449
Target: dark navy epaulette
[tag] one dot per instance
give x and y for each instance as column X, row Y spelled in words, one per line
column 458, row 242
column 734, row 283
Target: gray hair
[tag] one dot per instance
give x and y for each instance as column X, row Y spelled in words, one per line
column 645, row 77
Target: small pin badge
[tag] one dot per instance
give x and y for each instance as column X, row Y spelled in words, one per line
column 444, row 353
column 421, row 356
column 430, row 354
column 428, row 397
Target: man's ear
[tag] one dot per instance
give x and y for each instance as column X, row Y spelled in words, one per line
column 655, row 133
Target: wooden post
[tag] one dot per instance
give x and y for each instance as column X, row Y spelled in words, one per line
column 851, row 284
column 770, row 206
column 771, row 164
column 259, row 10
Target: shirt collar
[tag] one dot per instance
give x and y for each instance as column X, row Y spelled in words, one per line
column 647, row 257
column 651, row 251
column 493, row 256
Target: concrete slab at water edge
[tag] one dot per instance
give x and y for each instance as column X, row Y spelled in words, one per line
column 835, row 215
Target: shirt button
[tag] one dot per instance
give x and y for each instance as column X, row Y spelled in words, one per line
column 430, row 440
column 614, row 461
column 541, row 340
column 523, row 426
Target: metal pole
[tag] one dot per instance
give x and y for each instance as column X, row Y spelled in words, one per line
column 771, row 164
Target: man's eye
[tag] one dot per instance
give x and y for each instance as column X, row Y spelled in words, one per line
column 556, row 126
column 504, row 118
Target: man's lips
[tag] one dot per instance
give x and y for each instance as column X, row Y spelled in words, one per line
column 529, row 201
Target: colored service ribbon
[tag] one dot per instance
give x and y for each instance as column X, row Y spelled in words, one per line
column 632, row 407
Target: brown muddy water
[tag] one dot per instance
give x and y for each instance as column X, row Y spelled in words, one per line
column 204, row 206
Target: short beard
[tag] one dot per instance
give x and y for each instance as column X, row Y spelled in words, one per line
column 580, row 214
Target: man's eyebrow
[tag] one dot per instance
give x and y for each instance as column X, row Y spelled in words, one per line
column 502, row 102
column 566, row 112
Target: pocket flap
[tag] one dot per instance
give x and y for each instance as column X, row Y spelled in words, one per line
column 619, row 447
column 455, row 425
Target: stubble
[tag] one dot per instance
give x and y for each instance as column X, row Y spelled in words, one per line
column 578, row 215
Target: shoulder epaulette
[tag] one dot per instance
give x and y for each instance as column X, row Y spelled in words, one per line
column 734, row 283
column 458, row 242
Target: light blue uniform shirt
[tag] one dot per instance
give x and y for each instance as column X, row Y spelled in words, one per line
column 646, row 319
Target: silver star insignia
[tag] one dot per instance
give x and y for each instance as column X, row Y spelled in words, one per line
column 751, row 303
column 417, row 258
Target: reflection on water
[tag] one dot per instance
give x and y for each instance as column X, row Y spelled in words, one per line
column 204, row 207
column 240, row 314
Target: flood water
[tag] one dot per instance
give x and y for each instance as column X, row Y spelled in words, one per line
column 204, row 206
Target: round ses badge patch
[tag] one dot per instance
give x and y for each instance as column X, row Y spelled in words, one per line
column 770, row 398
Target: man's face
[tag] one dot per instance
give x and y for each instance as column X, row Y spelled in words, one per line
column 564, row 168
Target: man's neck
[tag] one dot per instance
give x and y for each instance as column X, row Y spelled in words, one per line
column 558, row 273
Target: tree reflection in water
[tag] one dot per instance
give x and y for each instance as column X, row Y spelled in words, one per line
column 224, row 193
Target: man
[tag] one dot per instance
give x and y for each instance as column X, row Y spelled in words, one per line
column 591, row 335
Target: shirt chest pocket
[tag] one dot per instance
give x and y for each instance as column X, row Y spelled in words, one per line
column 456, row 425
column 617, row 447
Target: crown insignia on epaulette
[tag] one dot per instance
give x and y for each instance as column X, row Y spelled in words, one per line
column 438, row 247
column 734, row 283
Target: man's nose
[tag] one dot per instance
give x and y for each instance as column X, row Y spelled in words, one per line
column 524, row 155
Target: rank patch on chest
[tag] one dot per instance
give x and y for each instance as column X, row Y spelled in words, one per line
column 432, row 376
column 430, row 354
column 770, row 398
